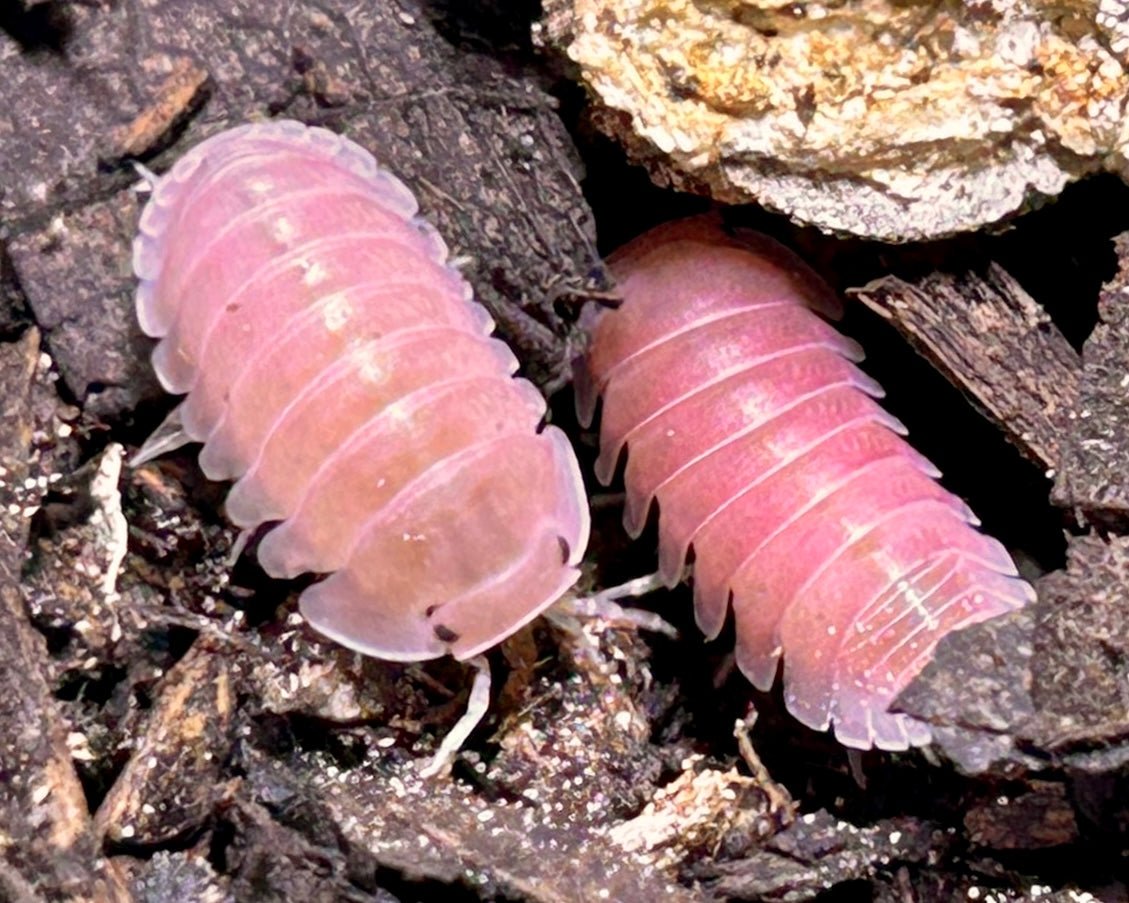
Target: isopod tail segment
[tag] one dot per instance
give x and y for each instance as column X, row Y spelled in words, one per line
column 335, row 365
column 743, row 415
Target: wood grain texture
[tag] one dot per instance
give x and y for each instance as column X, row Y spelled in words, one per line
column 1091, row 476
column 971, row 326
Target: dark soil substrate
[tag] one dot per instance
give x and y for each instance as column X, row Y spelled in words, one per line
column 179, row 735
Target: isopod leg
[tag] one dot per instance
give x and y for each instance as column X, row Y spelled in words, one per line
column 239, row 546
column 169, row 436
column 148, row 177
column 477, row 706
column 603, row 605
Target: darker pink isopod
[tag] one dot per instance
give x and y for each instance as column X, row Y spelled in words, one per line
column 337, row 368
column 744, row 415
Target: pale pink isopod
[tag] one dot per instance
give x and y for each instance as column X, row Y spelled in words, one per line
column 743, row 415
column 337, row 368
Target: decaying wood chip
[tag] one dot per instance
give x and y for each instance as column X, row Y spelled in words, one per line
column 17, row 369
column 1080, row 667
column 436, row 830
column 816, row 853
column 72, row 583
column 480, row 142
column 1093, row 478
column 698, row 810
column 173, row 778
column 183, row 89
column 1049, row 680
column 75, row 273
column 1040, row 817
column 46, row 842
column 185, row 876
column 992, row 341
column 976, row 692
column 270, row 860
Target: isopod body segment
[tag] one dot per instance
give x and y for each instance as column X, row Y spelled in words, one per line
column 338, row 370
column 744, row 416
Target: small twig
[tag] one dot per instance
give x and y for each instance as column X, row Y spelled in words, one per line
column 777, row 796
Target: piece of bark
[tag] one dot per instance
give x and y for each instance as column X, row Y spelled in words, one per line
column 14, row 316
column 76, row 275
column 886, row 121
column 992, row 341
column 1091, row 474
column 18, row 361
column 1099, row 796
column 975, row 692
column 582, row 748
column 54, row 106
column 70, row 586
column 483, row 150
column 174, row 777
column 1048, row 681
column 434, row 831
column 1040, row 817
column 49, row 847
column 575, row 758
column 180, row 877
column 1080, row 665
column 817, row 853
column 269, row 862
column 182, row 90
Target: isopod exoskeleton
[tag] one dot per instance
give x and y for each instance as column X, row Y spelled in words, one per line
column 338, row 369
column 744, row 415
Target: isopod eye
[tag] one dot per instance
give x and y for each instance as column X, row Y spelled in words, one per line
column 566, row 550
column 446, row 634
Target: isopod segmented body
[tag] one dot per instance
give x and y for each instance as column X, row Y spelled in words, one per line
column 339, row 370
column 744, row 416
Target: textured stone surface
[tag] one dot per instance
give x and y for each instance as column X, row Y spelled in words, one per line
column 890, row 120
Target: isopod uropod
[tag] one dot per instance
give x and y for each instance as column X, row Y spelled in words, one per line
column 340, row 372
column 744, row 417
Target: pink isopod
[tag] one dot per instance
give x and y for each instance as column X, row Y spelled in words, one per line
column 339, row 370
column 744, row 417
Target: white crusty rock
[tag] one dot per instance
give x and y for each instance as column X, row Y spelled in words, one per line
column 881, row 118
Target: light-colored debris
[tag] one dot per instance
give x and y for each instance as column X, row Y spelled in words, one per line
column 891, row 120
column 695, row 811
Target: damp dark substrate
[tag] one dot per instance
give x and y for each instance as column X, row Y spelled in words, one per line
column 1061, row 254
